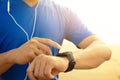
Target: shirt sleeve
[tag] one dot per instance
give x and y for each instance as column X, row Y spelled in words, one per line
column 76, row 31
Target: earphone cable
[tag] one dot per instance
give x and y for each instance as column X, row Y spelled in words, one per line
column 34, row 25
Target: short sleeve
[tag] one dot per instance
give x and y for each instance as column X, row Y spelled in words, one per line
column 76, row 31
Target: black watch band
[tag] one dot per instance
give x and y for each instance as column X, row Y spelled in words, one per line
column 69, row 56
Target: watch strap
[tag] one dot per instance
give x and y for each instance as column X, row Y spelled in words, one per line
column 69, row 56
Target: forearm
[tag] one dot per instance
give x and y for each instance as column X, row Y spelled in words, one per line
column 4, row 68
column 92, row 56
column 5, row 62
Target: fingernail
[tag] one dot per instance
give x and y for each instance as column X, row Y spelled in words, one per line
column 59, row 46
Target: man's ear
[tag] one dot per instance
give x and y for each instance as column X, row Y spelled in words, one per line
column 31, row 3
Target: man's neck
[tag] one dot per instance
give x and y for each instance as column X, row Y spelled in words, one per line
column 31, row 3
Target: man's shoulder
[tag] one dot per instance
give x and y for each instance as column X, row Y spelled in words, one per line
column 53, row 4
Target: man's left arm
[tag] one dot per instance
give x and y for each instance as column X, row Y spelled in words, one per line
column 93, row 52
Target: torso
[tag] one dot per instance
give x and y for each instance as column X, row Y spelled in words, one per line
column 48, row 25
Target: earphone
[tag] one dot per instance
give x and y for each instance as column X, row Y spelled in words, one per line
column 34, row 24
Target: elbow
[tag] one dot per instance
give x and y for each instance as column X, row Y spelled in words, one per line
column 106, row 57
column 108, row 54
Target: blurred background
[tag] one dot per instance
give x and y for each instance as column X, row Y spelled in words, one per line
column 103, row 18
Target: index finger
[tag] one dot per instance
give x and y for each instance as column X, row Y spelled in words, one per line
column 48, row 42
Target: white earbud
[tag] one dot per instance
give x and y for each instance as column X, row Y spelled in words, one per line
column 8, row 6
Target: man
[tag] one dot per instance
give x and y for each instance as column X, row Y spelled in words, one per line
column 31, row 31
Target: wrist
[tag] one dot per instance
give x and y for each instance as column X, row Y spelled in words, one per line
column 63, row 63
column 10, row 57
column 71, row 62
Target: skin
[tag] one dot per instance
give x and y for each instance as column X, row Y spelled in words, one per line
column 31, row 3
column 91, row 54
column 26, row 52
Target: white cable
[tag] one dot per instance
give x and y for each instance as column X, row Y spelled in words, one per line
column 33, row 31
column 8, row 6
column 34, row 24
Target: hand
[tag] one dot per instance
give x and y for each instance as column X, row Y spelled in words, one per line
column 29, row 50
column 45, row 67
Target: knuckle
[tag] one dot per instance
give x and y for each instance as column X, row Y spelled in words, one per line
column 33, row 41
column 48, row 52
column 32, row 47
column 31, row 57
column 52, row 62
column 37, row 57
column 48, row 40
column 47, row 74
column 47, row 49
column 28, row 71
column 35, row 74
column 40, row 75
column 41, row 55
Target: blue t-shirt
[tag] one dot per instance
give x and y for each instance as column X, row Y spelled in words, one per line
column 53, row 21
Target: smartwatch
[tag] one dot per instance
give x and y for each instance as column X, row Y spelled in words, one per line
column 69, row 56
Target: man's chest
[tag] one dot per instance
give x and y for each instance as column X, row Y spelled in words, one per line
column 47, row 25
